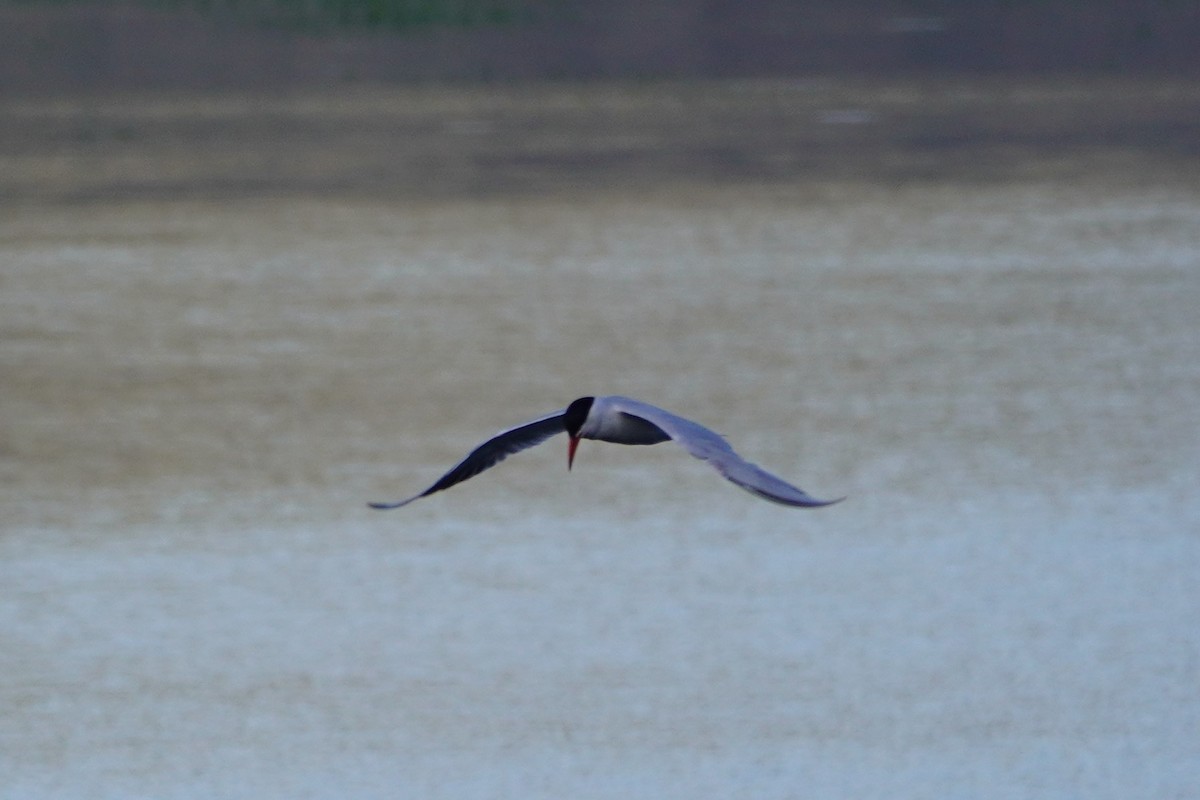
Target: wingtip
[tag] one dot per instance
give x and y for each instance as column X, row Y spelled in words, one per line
column 814, row 502
column 388, row 506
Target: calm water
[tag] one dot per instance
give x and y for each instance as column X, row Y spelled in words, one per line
column 199, row 397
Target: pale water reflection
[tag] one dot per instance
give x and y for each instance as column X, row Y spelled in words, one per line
column 200, row 397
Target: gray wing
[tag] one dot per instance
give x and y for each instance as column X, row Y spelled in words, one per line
column 491, row 453
column 710, row 446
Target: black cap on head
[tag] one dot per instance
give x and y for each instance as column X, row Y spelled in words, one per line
column 576, row 414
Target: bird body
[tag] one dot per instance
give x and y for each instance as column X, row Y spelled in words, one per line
column 622, row 420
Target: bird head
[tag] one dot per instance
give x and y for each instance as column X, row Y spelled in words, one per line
column 574, row 418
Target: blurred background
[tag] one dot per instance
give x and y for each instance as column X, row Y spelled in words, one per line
column 262, row 261
column 54, row 45
column 760, row 90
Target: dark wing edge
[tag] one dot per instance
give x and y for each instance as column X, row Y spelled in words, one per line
column 757, row 481
column 490, row 453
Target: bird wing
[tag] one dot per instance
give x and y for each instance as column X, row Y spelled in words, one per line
column 709, row 446
column 491, row 453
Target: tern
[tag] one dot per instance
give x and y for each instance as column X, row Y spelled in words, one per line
column 622, row 420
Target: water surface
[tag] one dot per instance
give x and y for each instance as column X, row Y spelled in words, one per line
column 201, row 394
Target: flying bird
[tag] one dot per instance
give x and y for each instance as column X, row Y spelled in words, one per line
column 622, row 420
